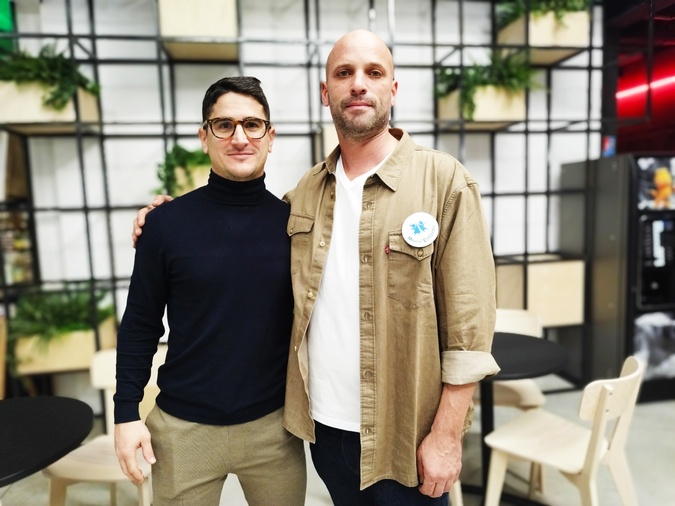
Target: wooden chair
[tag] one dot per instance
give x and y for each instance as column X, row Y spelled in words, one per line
column 520, row 393
column 95, row 461
column 546, row 439
column 456, row 494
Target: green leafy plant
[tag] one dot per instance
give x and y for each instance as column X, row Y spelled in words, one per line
column 49, row 315
column 512, row 72
column 507, row 11
column 176, row 159
column 56, row 71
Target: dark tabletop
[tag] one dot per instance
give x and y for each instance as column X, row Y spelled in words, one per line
column 521, row 356
column 37, row 431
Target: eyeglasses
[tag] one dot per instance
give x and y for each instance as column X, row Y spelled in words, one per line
column 223, row 128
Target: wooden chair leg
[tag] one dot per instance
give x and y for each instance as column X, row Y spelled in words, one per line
column 536, row 479
column 618, row 467
column 496, row 477
column 57, row 491
column 145, row 493
column 456, row 494
column 589, row 493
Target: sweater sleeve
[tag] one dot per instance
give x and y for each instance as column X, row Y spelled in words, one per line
column 141, row 326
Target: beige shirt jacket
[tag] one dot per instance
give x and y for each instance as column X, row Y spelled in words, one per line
column 427, row 314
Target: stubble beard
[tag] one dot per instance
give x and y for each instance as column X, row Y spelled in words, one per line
column 362, row 128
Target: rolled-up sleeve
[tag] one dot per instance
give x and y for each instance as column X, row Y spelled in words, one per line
column 462, row 367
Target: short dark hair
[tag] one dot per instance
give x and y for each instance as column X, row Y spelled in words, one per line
column 245, row 85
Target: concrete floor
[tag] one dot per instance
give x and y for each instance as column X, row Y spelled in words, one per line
column 650, row 450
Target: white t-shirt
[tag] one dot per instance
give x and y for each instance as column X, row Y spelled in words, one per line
column 333, row 334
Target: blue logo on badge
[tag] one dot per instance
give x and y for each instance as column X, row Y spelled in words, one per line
column 418, row 228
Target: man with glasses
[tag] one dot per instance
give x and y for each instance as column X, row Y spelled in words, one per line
column 218, row 260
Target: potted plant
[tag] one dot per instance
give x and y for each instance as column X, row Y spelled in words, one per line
column 492, row 94
column 43, row 89
column 183, row 171
column 557, row 29
column 52, row 331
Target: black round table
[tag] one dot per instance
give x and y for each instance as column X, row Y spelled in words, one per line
column 518, row 356
column 37, row 431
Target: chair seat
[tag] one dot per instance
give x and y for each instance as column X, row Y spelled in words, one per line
column 540, row 436
column 94, row 461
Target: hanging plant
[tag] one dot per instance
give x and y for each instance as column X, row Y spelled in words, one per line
column 177, row 159
column 512, row 73
column 56, row 71
column 507, row 11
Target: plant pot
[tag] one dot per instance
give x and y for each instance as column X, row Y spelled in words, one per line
column 199, row 19
column 555, row 288
column 22, row 110
column 68, row 352
column 496, row 109
column 200, row 177
column 546, row 33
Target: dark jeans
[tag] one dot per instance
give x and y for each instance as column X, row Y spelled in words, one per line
column 336, row 456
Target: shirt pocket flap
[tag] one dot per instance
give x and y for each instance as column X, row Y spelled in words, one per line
column 397, row 243
column 299, row 224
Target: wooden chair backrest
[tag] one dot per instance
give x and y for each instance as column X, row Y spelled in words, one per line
column 103, row 370
column 608, row 399
column 518, row 321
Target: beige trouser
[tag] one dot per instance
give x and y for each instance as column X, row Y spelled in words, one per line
column 193, row 461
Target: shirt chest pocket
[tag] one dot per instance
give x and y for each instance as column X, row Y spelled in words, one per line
column 409, row 272
column 299, row 229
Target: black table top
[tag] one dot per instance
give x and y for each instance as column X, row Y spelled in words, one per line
column 37, row 431
column 521, row 356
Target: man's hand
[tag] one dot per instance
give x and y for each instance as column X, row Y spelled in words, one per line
column 139, row 221
column 439, row 461
column 129, row 437
column 439, row 456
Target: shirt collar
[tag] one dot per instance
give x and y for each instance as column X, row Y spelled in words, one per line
column 391, row 171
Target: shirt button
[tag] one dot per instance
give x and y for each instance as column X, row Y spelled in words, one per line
column 291, row 230
column 420, row 253
column 322, row 243
column 368, row 374
column 366, row 316
column 295, row 348
column 365, row 259
column 367, row 431
column 310, row 295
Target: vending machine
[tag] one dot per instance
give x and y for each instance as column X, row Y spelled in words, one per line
column 619, row 212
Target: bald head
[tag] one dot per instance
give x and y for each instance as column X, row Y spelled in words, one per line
column 360, row 44
column 360, row 88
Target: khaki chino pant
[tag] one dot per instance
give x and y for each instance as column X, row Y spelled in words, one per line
column 193, row 461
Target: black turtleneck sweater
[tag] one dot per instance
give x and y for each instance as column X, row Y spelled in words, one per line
column 218, row 259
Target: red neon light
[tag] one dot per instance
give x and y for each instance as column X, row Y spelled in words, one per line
column 643, row 87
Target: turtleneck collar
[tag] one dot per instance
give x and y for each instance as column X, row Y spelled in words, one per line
column 236, row 193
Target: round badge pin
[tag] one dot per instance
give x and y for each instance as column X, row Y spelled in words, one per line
column 420, row 229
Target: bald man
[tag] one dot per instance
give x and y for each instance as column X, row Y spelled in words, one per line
column 393, row 282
